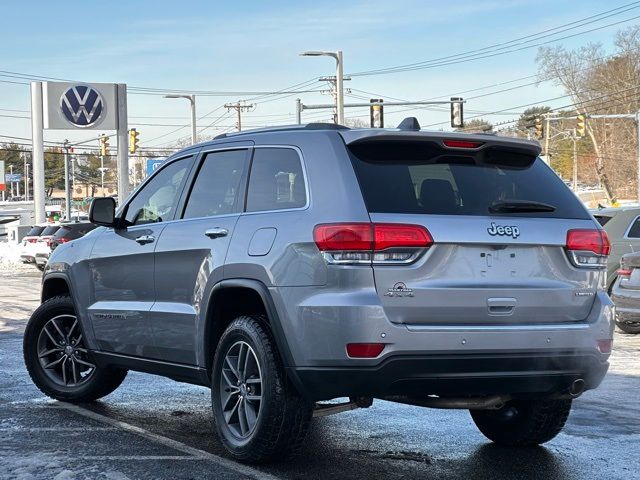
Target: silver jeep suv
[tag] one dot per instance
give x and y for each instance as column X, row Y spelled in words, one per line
column 289, row 266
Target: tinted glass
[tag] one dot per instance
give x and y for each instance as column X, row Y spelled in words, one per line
column 215, row 191
column 35, row 231
column 71, row 232
column 276, row 180
column 157, row 200
column 394, row 182
column 50, row 230
column 634, row 231
column 602, row 219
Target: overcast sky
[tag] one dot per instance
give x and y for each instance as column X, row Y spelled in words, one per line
column 254, row 45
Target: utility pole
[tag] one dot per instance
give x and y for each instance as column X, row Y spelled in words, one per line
column 26, row 175
column 638, row 150
column 67, row 183
column 547, row 134
column 575, row 162
column 11, row 182
column 298, row 111
column 239, row 107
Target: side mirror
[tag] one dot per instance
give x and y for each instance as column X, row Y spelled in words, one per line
column 103, row 211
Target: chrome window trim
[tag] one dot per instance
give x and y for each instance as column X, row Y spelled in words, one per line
column 626, row 233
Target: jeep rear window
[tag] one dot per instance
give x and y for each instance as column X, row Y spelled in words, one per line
column 423, row 180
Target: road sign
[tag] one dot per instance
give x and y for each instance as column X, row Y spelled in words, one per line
column 152, row 164
column 80, row 105
column 12, row 177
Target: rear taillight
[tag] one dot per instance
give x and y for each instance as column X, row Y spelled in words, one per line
column 366, row 243
column 63, row 240
column 32, row 240
column 588, row 248
column 624, row 272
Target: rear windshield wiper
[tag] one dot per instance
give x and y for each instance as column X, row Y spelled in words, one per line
column 517, row 206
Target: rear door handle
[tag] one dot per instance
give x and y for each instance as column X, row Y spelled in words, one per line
column 216, row 232
column 144, row 239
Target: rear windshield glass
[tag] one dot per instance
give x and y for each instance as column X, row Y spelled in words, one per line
column 35, row 231
column 50, row 230
column 404, row 182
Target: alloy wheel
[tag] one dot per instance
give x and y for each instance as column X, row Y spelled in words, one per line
column 241, row 389
column 62, row 353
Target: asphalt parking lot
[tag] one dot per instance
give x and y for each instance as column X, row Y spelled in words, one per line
column 153, row 427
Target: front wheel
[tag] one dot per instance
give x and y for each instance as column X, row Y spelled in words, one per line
column 57, row 358
column 258, row 414
column 522, row 423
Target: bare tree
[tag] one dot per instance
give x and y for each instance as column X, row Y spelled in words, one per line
column 601, row 84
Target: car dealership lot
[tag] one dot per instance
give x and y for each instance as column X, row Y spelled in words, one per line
column 153, row 427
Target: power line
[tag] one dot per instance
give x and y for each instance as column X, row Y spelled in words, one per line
column 486, row 52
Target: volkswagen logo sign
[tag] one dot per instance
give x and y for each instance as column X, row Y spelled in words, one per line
column 82, row 106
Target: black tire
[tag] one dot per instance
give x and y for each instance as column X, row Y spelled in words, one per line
column 523, row 423
column 283, row 417
column 632, row 328
column 97, row 383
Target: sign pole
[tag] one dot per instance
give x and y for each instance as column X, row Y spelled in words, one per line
column 37, row 141
column 123, row 151
column 67, row 181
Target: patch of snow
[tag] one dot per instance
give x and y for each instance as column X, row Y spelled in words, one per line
column 10, row 258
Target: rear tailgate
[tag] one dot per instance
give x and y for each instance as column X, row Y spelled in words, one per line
column 485, row 267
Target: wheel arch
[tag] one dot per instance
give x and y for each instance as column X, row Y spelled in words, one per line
column 53, row 286
column 223, row 307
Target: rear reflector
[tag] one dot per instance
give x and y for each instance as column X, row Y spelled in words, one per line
column 461, row 144
column 604, row 346
column 364, row 350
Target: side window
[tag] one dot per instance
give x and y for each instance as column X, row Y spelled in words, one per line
column 276, row 181
column 157, row 200
column 634, row 231
column 215, row 191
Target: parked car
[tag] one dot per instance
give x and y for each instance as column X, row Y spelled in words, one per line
column 288, row 266
column 70, row 231
column 42, row 246
column 27, row 248
column 626, row 293
column 623, row 227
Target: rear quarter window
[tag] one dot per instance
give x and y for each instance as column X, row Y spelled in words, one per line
column 417, row 182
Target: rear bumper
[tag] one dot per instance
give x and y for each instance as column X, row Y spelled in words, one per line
column 525, row 374
column 627, row 303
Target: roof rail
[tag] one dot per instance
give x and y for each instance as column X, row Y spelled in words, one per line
column 284, row 128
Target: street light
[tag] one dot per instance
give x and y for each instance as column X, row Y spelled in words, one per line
column 339, row 79
column 192, row 100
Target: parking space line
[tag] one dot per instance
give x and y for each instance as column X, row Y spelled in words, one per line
column 167, row 442
column 98, row 458
column 57, row 429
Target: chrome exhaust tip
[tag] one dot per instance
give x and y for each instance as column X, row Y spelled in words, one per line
column 576, row 388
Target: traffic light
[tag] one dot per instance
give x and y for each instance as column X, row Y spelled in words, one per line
column 133, row 140
column 376, row 113
column 104, row 145
column 457, row 117
column 581, row 124
column 539, row 128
